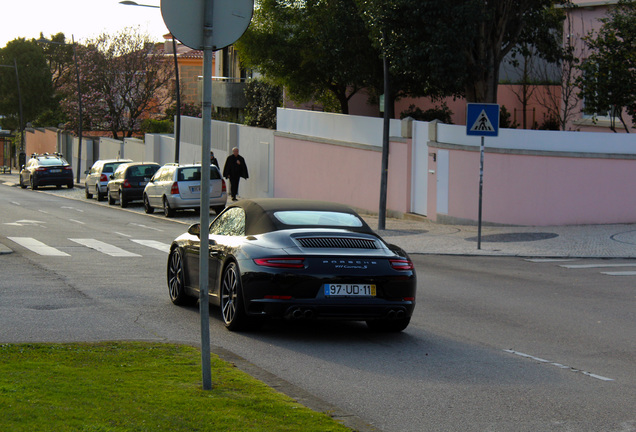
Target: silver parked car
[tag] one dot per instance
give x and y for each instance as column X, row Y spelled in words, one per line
column 177, row 187
column 98, row 176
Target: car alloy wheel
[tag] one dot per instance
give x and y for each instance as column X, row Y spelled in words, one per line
column 122, row 200
column 231, row 299
column 167, row 211
column 147, row 207
column 176, row 279
column 111, row 200
column 100, row 196
column 33, row 185
column 89, row 195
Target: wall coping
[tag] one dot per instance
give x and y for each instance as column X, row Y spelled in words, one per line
column 337, row 142
column 525, row 152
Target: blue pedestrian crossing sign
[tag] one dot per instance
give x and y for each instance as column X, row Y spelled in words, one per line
column 482, row 119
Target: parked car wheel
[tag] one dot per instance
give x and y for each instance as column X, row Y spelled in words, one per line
column 147, row 207
column 167, row 211
column 122, row 200
column 33, row 185
column 111, row 200
column 88, row 194
column 22, row 185
column 176, row 279
column 231, row 299
column 70, row 185
column 100, row 196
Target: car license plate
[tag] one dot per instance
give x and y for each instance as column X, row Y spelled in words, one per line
column 56, row 170
column 349, row 290
column 143, row 183
column 195, row 189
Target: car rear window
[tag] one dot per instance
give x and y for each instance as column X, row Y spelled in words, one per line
column 52, row 161
column 318, row 218
column 142, row 171
column 111, row 167
column 194, row 174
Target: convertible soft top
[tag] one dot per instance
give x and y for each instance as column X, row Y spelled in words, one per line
column 259, row 213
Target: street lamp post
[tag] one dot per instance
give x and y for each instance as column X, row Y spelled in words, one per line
column 79, row 101
column 20, row 126
column 177, row 130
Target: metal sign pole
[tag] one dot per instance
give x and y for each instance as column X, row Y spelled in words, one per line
column 204, row 300
column 481, row 191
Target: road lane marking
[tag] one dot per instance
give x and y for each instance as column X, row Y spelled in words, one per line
column 104, row 248
column 77, row 222
column 122, row 234
column 548, row 260
column 163, row 247
column 146, row 226
column 559, row 365
column 37, row 246
column 627, row 273
column 587, row 266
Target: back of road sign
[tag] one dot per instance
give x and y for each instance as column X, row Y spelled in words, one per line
column 482, row 119
column 184, row 19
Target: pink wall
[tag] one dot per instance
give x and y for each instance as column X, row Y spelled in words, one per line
column 541, row 190
column 341, row 173
column 40, row 141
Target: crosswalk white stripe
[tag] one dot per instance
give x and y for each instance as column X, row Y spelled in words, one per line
column 37, row 246
column 104, row 248
column 154, row 244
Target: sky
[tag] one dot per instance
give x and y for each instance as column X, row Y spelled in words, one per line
column 84, row 19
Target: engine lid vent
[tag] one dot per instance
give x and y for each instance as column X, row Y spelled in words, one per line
column 337, row 242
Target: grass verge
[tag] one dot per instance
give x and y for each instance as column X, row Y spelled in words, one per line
column 136, row 386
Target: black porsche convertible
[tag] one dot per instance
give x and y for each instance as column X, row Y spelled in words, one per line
column 295, row 259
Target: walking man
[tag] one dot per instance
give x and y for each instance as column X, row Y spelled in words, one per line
column 235, row 168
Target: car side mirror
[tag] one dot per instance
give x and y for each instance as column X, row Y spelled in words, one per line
column 112, row 176
column 195, row 229
column 87, row 171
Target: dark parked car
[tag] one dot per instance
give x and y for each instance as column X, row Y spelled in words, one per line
column 46, row 170
column 128, row 181
column 295, row 259
column 98, row 176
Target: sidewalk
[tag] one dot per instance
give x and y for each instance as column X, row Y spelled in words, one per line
column 417, row 234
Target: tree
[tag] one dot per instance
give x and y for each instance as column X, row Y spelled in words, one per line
column 35, row 82
column 560, row 100
column 122, row 76
column 262, row 100
column 316, row 49
column 608, row 80
column 443, row 48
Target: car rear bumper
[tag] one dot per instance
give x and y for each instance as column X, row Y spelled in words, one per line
column 176, row 202
column 341, row 309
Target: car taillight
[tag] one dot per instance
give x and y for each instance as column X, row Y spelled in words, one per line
column 295, row 263
column 401, row 264
column 224, row 187
column 126, row 184
column 103, row 178
column 174, row 190
column 41, row 169
column 68, row 168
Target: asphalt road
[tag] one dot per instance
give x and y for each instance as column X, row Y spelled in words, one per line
column 496, row 344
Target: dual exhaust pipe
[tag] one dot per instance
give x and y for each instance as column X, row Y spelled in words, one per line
column 300, row 313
